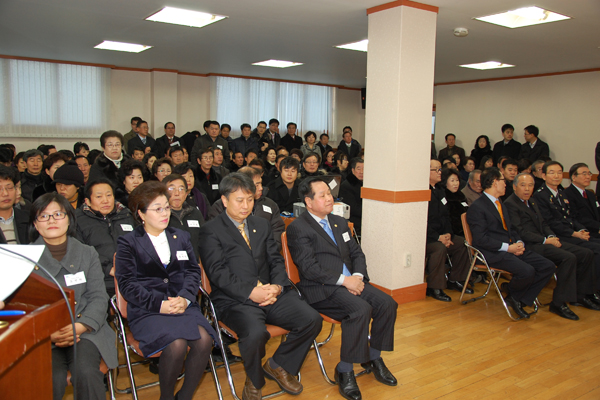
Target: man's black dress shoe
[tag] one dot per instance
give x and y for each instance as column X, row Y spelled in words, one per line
column 455, row 285
column 504, row 287
column 594, row 298
column 232, row 358
column 587, row 303
column 563, row 311
column 437, row 294
column 381, row 372
column 516, row 305
column 347, row 385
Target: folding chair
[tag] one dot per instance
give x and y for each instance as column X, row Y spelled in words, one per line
column 211, row 314
column 294, row 277
column 105, row 370
column 479, row 263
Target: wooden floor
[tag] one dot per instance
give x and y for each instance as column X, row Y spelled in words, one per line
column 454, row 351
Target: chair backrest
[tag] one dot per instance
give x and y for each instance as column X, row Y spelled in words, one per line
column 121, row 302
column 204, row 279
column 290, row 267
column 466, row 229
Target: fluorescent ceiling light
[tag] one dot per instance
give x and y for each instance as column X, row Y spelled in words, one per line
column 119, row 46
column 487, row 65
column 523, row 17
column 180, row 16
column 359, row 46
column 277, row 63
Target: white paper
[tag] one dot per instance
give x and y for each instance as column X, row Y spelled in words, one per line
column 126, row 227
column 346, row 236
column 182, row 255
column 219, row 146
column 14, row 270
column 464, row 204
column 75, row 279
column 215, row 187
column 332, row 184
column 444, row 201
column 192, row 223
column 175, row 144
column 267, row 209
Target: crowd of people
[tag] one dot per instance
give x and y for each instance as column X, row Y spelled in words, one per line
column 159, row 206
column 521, row 218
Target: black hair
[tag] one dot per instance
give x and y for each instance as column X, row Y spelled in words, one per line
column 52, row 158
column 206, row 124
column 6, row 155
column 84, row 157
column 257, row 161
column 148, row 156
column 449, row 134
column 251, row 151
column 7, row 173
column 245, row 125
column 447, row 173
column 142, row 196
column 127, row 169
column 549, row 164
column 108, row 134
column 87, row 191
column 140, row 122
column 291, row 123
column 79, row 145
column 45, row 148
column 261, row 122
column 509, row 161
column 169, row 123
column 135, row 119
column 160, row 162
column 310, row 133
column 289, row 162
column 280, row 157
column 574, row 168
column 354, row 161
column 236, row 181
column 305, row 188
column 273, row 121
column 311, row 154
column 214, row 123
column 340, row 156
column 507, row 126
column 18, row 157
column 488, row 176
column 279, row 148
column 93, row 155
column 41, row 203
column 347, row 127
column 523, row 164
column 533, row 130
column 323, row 134
column 139, row 148
column 67, row 153
column 487, row 142
column 183, row 168
column 175, row 148
column 226, row 126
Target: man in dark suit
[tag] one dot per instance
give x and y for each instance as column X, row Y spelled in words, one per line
column 334, row 280
column 451, row 148
column 166, row 141
column 583, row 203
column 502, row 247
column 211, row 139
column 141, row 140
column 271, row 136
column 533, row 149
column 207, row 179
column 508, row 146
column 575, row 265
column 14, row 222
column 509, row 170
column 245, row 142
column 348, row 145
column 291, row 140
column 284, row 190
column 251, row 289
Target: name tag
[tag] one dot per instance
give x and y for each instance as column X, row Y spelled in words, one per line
column 444, row 201
column 126, row 227
column 267, row 209
column 215, row 187
column 174, row 144
column 75, row 279
column 464, row 204
column 597, row 205
column 219, row 146
column 192, row 223
column 332, row 184
column 182, row 255
column 346, row 236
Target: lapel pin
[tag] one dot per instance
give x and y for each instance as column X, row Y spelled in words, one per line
column 335, row 225
column 254, row 230
column 174, row 236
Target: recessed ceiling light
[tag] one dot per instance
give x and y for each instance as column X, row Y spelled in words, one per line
column 277, row 64
column 487, row 65
column 179, row 16
column 523, row 17
column 359, row 46
column 119, row 46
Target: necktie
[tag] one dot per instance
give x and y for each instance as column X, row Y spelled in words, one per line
column 501, row 215
column 243, row 232
column 144, row 140
column 327, row 229
column 584, row 194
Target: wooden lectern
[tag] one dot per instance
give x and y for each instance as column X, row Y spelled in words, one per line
column 25, row 348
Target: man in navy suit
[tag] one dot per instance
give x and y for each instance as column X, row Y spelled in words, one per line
column 583, row 202
column 502, row 247
column 334, row 280
column 251, row 289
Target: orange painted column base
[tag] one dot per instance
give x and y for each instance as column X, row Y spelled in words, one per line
column 405, row 294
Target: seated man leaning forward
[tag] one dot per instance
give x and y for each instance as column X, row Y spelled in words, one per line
column 250, row 289
column 334, row 280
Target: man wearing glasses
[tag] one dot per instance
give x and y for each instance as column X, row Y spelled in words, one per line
column 497, row 239
column 13, row 221
column 207, row 179
column 441, row 242
column 583, row 203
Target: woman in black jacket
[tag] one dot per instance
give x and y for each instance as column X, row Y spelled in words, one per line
column 482, row 148
column 131, row 175
column 457, row 202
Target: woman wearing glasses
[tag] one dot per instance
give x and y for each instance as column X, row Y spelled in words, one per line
column 161, row 168
column 108, row 163
column 158, row 275
column 77, row 267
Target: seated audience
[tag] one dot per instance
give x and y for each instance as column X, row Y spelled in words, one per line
column 100, row 222
column 108, row 163
column 161, row 168
column 533, row 148
column 84, row 166
column 207, row 180
column 53, row 224
column 225, row 134
column 176, row 154
column 311, row 144
column 310, row 165
column 14, row 222
column 218, row 163
column 32, row 177
column 482, row 148
column 473, row 189
column 536, row 171
column 245, row 142
column 456, row 200
column 495, row 236
column 328, row 162
column 324, row 144
column 68, row 180
column 162, row 311
column 53, row 162
column 163, row 143
column 284, row 190
column 468, row 166
column 341, row 164
column 509, row 170
column 131, row 175
column 194, row 197
column 132, row 133
column 348, row 146
column 451, row 148
column 142, row 140
column 508, row 146
column 486, row 162
column 442, row 242
column 524, row 165
column 237, row 162
column 250, row 288
column 582, row 201
column 211, row 140
column 575, row 268
column 350, row 192
column 290, row 140
column 335, row 282
column 19, row 162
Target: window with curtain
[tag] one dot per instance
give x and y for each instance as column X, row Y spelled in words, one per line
column 39, row 99
column 241, row 101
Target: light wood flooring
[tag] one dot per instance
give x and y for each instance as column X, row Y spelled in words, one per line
column 455, row 351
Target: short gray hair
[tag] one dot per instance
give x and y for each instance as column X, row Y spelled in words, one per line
column 473, row 173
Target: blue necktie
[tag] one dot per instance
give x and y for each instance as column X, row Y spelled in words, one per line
column 144, row 140
column 327, row 229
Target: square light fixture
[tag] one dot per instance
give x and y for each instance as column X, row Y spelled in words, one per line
column 120, row 46
column 277, row 63
column 358, row 46
column 487, row 65
column 179, row 16
column 525, row 16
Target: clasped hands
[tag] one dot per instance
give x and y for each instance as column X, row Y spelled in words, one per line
column 174, row 305
column 64, row 336
column 445, row 239
column 583, row 235
column 354, row 284
column 265, row 294
column 516, row 248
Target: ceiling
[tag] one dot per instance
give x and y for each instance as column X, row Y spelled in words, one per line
column 302, row 31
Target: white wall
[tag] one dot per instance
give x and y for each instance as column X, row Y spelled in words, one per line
column 348, row 112
column 563, row 107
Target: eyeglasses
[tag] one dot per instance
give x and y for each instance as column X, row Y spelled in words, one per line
column 113, row 145
column 208, row 158
column 435, row 169
column 585, row 173
column 164, row 171
column 160, row 210
column 57, row 216
column 7, row 188
column 310, row 162
column 554, row 173
column 179, row 189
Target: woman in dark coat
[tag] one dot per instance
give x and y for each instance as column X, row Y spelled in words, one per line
column 158, row 275
column 108, row 163
column 457, row 202
column 482, row 148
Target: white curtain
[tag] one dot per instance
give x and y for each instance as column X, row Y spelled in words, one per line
column 241, row 101
column 39, row 99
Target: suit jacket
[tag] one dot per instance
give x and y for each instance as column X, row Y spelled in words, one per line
column 470, row 194
column 447, row 152
column 585, row 211
column 353, row 151
column 558, row 216
column 162, row 145
column 528, row 221
column 21, row 227
column 438, row 217
column 210, row 186
column 319, row 259
column 232, row 267
column 206, row 141
column 350, row 194
column 533, row 154
column 137, row 142
column 242, row 145
column 488, row 232
column 91, row 300
column 266, row 138
column 291, row 143
column 511, row 149
column 278, row 192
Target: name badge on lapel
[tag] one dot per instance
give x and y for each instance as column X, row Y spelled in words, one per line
column 346, row 236
column 175, row 144
column 219, row 146
column 192, row 223
column 444, row 201
column 75, row 279
column 182, row 255
column 215, row 187
column 267, row 209
column 464, row 204
column 126, row 227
